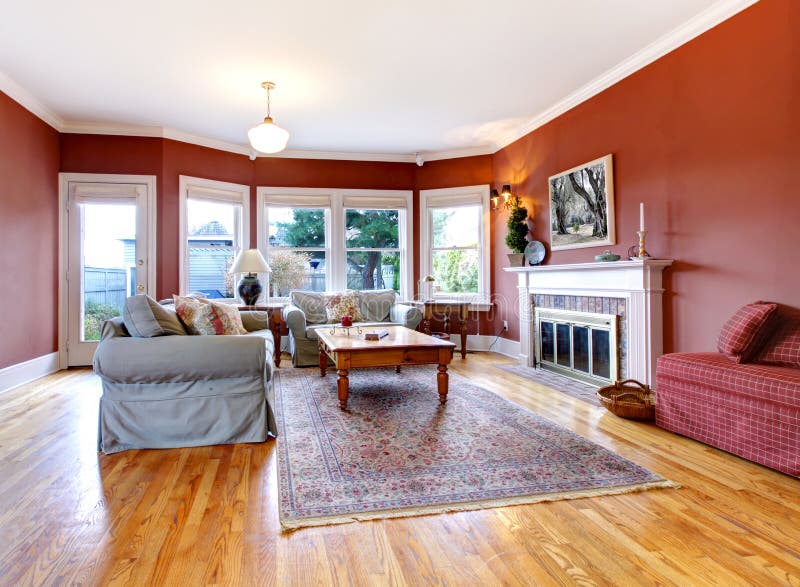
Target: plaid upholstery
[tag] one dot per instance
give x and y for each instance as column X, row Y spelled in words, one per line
column 752, row 411
column 745, row 332
column 784, row 346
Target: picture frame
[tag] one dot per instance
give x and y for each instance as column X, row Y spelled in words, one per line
column 582, row 206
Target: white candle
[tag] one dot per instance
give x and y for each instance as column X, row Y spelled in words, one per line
column 641, row 216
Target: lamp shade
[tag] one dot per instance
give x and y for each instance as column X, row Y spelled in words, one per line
column 250, row 261
column 268, row 137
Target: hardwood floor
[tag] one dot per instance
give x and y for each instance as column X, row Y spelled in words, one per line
column 208, row 516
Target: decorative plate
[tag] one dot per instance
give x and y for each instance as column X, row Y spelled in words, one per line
column 534, row 252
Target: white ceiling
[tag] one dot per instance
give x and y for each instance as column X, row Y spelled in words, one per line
column 353, row 75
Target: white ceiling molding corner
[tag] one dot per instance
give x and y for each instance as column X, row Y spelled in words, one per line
column 458, row 153
column 705, row 21
column 28, row 101
column 185, row 137
column 110, row 128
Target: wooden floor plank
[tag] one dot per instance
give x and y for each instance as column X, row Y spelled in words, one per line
column 209, row 516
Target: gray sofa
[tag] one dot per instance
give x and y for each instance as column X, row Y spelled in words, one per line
column 178, row 391
column 306, row 312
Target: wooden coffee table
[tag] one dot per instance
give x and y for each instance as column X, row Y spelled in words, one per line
column 402, row 347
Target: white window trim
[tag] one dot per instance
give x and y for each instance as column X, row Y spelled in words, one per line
column 429, row 199
column 336, row 279
column 239, row 193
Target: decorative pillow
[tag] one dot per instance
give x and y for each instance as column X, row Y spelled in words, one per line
column 313, row 305
column 230, row 318
column 201, row 316
column 144, row 317
column 341, row 304
column 784, row 346
column 745, row 332
column 377, row 304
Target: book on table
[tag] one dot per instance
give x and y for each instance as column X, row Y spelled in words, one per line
column 377, row 335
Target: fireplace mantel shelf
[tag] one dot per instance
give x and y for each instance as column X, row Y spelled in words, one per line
column 592, row 266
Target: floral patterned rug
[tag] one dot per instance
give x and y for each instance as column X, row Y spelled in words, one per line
column 396, row 452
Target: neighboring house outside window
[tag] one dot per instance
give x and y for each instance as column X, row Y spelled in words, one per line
column 214, row 227
column 454, row 241
column 342, row 239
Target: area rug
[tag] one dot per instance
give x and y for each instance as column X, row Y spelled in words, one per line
column 397, row 452
column 570, row 387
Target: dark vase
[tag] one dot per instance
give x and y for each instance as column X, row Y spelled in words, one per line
column 249, row 289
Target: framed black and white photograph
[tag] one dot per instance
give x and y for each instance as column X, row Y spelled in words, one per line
column 582, row 206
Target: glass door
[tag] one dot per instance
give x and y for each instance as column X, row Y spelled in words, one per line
column 107, row 259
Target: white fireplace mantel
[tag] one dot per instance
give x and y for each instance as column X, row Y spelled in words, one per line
column 638, row 282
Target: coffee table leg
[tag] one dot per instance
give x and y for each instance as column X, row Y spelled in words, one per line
column 323, row 362
column 397, row 369
column 343, row 384
column 441, row 380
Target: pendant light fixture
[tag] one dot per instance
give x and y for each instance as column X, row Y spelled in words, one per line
column 268, row 137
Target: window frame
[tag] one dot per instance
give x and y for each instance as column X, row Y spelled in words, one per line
column 263, row 226
column 337, row 201
column 233, row 192
column 453, row 198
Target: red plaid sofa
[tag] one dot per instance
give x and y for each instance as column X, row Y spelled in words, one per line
column 749, row 409
column 745, row 399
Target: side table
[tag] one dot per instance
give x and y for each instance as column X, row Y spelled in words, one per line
column 432, row 307
column 274, row 309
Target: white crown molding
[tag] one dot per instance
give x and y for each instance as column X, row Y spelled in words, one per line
column 457, row 153
column 110, row 128
column 28, row 101
column 705, row 21
column 343, row 156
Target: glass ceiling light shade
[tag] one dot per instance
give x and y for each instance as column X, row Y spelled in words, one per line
column 268, row 137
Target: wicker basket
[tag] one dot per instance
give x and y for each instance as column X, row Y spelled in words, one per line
column 628, row 399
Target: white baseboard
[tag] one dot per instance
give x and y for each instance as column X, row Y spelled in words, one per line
column 16, row 375
column 486, row 342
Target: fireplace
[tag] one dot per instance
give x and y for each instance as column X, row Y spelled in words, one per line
column 582, row 345
column 625, row 293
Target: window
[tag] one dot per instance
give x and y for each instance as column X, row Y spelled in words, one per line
column 297, row 246
column 329, row 240
column 214, row 228
column 373, row 249
column 454, row 239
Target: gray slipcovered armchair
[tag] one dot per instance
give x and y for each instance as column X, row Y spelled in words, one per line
column 181, row 390
column 306, row 312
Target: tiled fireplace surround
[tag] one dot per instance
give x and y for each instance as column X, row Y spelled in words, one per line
column 631, row 290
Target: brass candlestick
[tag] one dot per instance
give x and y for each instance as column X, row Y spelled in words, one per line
column 643, row 254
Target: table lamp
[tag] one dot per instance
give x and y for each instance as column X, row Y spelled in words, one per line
column 251, row 262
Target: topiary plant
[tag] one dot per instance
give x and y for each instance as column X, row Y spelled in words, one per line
column 517, row 229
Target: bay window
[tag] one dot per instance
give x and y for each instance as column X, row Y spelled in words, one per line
column 340, row 239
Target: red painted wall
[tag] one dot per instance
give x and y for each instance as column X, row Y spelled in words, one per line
column 168, row 159
column 448, row 173
column 708, row 137
column 29, row 160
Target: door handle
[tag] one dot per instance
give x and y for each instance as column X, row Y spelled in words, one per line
column 140, row 262
column 140, row 287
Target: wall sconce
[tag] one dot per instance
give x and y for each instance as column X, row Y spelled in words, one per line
column 509, row 200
